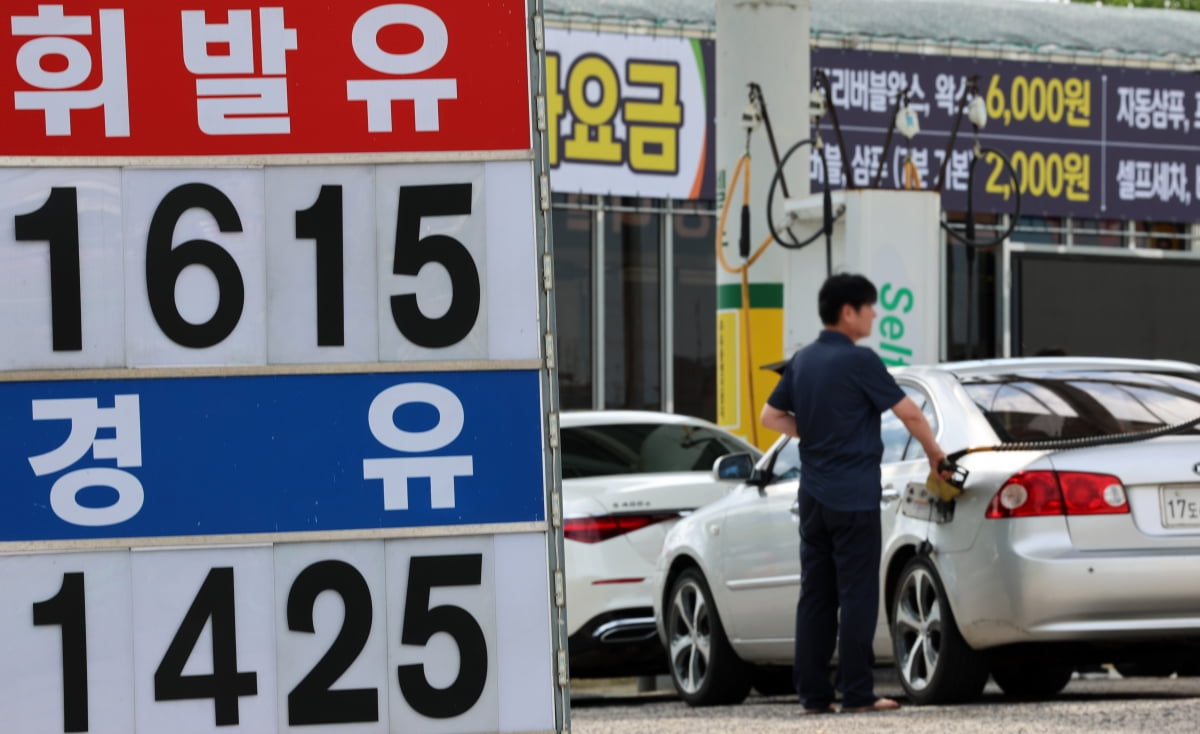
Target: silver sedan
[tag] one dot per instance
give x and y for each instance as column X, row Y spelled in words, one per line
column 1076, row 541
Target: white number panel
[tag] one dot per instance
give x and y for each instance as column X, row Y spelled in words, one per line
column 512, row 290
column 330, row 637
column 321, row 260
column 64, row 643
column 195, row 267
column 522, row 612
column 61, row 269
column 253, row 266
column 366, row 636
column 431, row 222
column 203, row 658
column 442, row 647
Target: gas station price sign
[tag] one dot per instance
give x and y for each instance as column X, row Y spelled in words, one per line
column 272, row 452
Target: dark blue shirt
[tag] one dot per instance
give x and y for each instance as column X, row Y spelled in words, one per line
column 837, row 391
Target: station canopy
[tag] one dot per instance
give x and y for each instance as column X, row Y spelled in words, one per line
column 1080, row 30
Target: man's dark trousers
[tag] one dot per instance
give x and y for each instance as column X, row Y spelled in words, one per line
column 839, row 567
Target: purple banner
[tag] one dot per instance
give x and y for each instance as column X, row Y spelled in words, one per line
column 1084, row 141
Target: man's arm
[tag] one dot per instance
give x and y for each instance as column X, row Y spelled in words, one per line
column 780, row 421
column 912, row 418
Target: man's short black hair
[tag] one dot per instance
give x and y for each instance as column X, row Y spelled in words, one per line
column 844, row 289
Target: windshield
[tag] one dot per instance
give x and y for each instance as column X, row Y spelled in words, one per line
column 640, row 448
column 1038, row 406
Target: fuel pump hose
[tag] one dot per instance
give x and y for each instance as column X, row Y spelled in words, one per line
column 953, row 458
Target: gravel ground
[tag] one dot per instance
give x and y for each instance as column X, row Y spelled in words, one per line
column 1087, row 706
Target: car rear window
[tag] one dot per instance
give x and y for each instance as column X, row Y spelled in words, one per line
column 641, row 448
column 1049, row 405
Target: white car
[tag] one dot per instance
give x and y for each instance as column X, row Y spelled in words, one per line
column 1056, row 555
column 627, row 477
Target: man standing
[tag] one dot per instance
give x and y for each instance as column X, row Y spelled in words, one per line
column 830, row 397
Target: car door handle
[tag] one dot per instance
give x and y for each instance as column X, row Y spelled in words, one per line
column 795, row 508
column 890, row 494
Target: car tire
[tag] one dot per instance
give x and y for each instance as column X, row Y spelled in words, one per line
column 934, row 663
column 1023, row 680
column 704, row 668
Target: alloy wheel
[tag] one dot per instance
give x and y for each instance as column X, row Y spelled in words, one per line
column 918, row 628
column 690, row 645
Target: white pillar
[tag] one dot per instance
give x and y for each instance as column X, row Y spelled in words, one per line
column 765, row 42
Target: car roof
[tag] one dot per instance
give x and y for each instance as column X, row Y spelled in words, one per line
column 572, row 418
column 1014, row 365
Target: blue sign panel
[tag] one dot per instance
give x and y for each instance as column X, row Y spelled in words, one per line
column 268, row 454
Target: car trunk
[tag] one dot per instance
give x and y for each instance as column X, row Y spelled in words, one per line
column 1162, row 484
column 643, row 494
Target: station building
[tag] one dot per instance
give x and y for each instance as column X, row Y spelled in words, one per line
column 1095, row 109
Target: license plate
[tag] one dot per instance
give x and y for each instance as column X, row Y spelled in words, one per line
column 1180, row 507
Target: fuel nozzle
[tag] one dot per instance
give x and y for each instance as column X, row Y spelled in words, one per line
column 817, row 106
column 977, row 112
column 947, row 489
column 958, row 475
column 751, row 116
column 907, row 122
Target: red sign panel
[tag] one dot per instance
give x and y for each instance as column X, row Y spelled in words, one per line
column 233, row 77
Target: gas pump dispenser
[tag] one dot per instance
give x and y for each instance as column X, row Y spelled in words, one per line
column 777, row 242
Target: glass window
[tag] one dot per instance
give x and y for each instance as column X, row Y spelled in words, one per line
column 897, row 441
column 787, row 462
column 1051, row 405
column 1028, row 411
column 1038, row 230
column 894, row 435
column 1160, row 235
column 632, row 297
column 971, row 301
column 640, row 448
column 1098, row 232
column 573, row 298
column 695, row 311
column 915, row 449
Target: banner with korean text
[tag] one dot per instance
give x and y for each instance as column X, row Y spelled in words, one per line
column 630, row 115
column 1086, row 141
column 272, row 384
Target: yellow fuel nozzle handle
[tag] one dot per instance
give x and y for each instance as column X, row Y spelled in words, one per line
column 958, row 475
column 946, row 489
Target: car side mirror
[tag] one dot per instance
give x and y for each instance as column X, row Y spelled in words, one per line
column 734, row 467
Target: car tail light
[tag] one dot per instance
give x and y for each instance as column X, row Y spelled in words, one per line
column 597, row 529
column 1093, row 494
column 1033, row 493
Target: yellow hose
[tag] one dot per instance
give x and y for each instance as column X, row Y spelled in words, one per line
column 912, row 177
column 744, row 161
column 742, row 169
